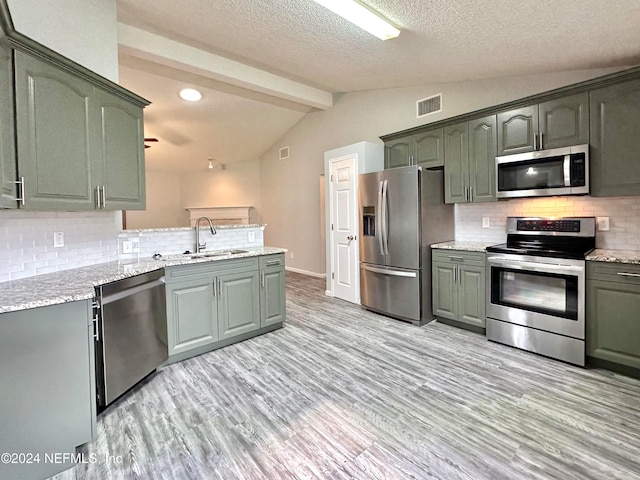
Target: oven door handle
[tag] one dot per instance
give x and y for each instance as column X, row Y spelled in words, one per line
column 521, row 265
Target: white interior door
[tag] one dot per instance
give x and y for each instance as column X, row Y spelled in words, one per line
column 344, row 223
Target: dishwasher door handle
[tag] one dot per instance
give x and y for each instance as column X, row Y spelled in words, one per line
column 114, row 297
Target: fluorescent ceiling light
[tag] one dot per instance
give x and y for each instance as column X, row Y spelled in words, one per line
column 190, row 94
column 361, row 16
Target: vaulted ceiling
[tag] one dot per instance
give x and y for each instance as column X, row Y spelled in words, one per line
column 300, row 48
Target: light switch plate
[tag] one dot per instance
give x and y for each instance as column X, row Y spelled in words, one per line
column 485, row 222
column 135, row 245
column 127, row 247
column 58, row 239
column 252, row 236
column 603, row 224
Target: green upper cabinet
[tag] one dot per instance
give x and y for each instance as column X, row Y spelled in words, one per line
column 121, row 170
column 425, row 149
column 564, row 122
column 429, row 148
column 456, row 166
column 53, row 124
column 397, row 152
column 78, row 146
column 7, row 147
column 615, row 156
column 516, row 130
column 557, row 123
column 469, row 153
column 483, row 146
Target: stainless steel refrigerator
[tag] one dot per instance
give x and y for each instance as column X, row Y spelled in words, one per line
column 402, row 212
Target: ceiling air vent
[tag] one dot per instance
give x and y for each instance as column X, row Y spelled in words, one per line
column 284, row 153
column 429, row 105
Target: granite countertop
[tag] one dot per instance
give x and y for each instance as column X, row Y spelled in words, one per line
column 466, row 246
column 615, row 256
column 79, row 283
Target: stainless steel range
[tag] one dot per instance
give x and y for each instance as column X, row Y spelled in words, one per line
column 536, row 284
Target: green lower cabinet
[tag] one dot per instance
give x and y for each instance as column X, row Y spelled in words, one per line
column 458, row 283
column 613, row 313
column 238, row 303
column 272, row 290
column 47, row 373
column 192, row 310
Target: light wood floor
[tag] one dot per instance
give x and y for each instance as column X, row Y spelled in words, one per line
column 344, row 393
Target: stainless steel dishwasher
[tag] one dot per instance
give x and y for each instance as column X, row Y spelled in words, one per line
column 131, row 338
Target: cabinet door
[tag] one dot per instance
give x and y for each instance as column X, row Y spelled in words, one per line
column 471, row 295
column 239, row 303
column 516, row 129
column 47, row 403
column 445, row 301
column 192, row 315
column 429, row 148
column 456, row 165
column 564, row 121
column 272, row 296
column 53, row 125
column 119, row 160
column 7, row 146
column 397, row 152
column 614, row 124
column 483, row 145
column 613, row 322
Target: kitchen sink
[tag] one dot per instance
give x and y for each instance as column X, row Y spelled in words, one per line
column 218, row 253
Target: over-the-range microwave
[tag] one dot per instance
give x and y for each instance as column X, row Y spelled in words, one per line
column 561, row 171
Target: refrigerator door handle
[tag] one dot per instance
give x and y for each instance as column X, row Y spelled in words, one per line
column 384, row 271
column 380, row 232
column 385, row 217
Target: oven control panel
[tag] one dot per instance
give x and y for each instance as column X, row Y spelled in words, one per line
column 540, row 225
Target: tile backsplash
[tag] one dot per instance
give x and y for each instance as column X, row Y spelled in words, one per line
column 623, row 213
column 27, row 241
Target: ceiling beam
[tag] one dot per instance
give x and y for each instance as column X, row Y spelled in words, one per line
column 149, row 46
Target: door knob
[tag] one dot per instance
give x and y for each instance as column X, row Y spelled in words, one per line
column 350, row 237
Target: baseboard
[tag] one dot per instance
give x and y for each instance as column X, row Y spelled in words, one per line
column 306, row 272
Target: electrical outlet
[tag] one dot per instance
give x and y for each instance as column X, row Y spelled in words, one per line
column 603, row 224
column 291, row 255
column 252, row 236
column 58, row 239
column 485, row 222
column 135, row 245
column 127, row 247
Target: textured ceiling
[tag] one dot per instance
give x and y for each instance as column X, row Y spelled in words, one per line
column 441, row 40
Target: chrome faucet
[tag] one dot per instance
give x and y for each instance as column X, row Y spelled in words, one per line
column 202, row 246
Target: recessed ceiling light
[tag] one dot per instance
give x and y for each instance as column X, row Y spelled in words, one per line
column 190, row 94
column 362, row 16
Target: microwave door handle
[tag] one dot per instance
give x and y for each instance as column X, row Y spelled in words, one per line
column 380, row 228
column 566, row 166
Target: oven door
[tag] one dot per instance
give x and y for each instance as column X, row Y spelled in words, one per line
column 538, row 292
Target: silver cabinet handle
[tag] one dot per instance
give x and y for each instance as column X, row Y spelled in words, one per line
column 22, row 195
column 541, row 142
column 470, row 194
column 456, row 274
column 215, row 287
column 262, row 279
column 459, row 259
column 273, row 262
column 624, row 274
column 535, row 141
column 98, row 201
column 220, row 287
column 104, row 197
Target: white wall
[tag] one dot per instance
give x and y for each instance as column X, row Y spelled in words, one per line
column 170, row 193
column 290, row 198
column 85, row 31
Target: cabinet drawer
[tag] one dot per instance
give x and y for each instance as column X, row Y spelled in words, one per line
column 181, row 272
column 276, row 260
column 614, row 272
column 459, row 257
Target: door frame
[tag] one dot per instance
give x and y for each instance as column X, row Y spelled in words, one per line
column 330, row 220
